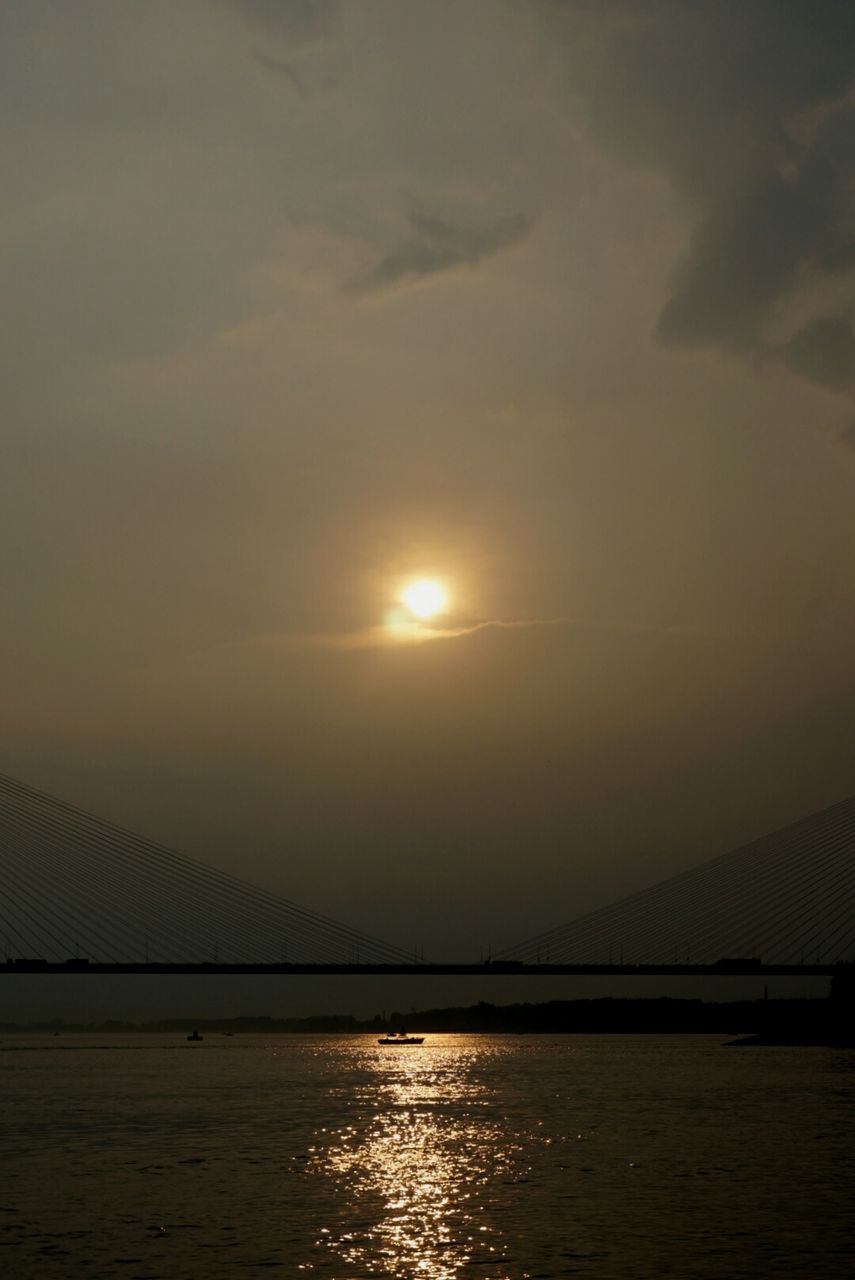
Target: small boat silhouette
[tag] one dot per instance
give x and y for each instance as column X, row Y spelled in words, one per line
column 195, row 1036
column 400, row 1037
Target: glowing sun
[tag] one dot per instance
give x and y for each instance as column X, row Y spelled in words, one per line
column 425, row 598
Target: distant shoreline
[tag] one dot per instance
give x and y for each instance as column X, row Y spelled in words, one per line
column 778, row 1021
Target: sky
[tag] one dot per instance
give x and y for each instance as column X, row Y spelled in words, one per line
column 548, row 301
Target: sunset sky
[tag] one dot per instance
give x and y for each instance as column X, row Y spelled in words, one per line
column 550, row 303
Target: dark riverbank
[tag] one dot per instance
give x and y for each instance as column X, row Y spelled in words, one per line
column 779, row 1020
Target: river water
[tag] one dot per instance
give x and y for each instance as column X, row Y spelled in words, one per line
column 509, row 1157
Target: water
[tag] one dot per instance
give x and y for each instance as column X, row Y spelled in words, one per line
column 504, row 1156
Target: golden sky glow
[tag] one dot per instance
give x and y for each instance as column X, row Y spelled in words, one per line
column 434, row 299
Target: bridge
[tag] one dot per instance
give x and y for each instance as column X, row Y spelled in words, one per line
column 730, row 968
column 79, row 895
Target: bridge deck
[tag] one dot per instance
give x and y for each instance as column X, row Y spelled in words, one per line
column 504, row 969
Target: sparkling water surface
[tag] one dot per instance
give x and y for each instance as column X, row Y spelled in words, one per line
column 509, row 1157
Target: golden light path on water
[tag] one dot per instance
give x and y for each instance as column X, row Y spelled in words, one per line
column 415, row 1163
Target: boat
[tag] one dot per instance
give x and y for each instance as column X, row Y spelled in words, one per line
column 400, row 1037
column 195, row 1036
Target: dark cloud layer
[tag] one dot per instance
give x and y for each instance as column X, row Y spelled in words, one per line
column 436, row 245
column 824, row 352
column 279, row 67
column 296, row 19
column 744, row 107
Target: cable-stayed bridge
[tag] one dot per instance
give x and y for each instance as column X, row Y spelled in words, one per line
column 75, row 886
column 81, row 895
column 788, row 898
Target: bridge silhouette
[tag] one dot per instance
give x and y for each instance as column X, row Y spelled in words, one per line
column 82, row 895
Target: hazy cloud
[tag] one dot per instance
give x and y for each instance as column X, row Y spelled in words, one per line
column 744, row 108
column 436, row 245
column 295, row 19
column 279, row 67
column 455, row 627
column 410, row 632
column 824, row 352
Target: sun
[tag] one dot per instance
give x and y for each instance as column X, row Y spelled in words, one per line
column 425, row 598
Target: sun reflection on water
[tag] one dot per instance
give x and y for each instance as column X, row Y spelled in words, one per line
column 415, row 1165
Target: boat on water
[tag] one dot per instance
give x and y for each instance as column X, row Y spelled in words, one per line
column 195, row 1036
column 400, row 1037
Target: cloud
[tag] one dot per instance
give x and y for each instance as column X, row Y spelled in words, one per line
column 436, row 246
column 293, row 19
column 397, row 634
column 454, row 629
column 746, row 109
column 282, row 69
column 824, row 352
column 404, row 633
column 288, row 28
